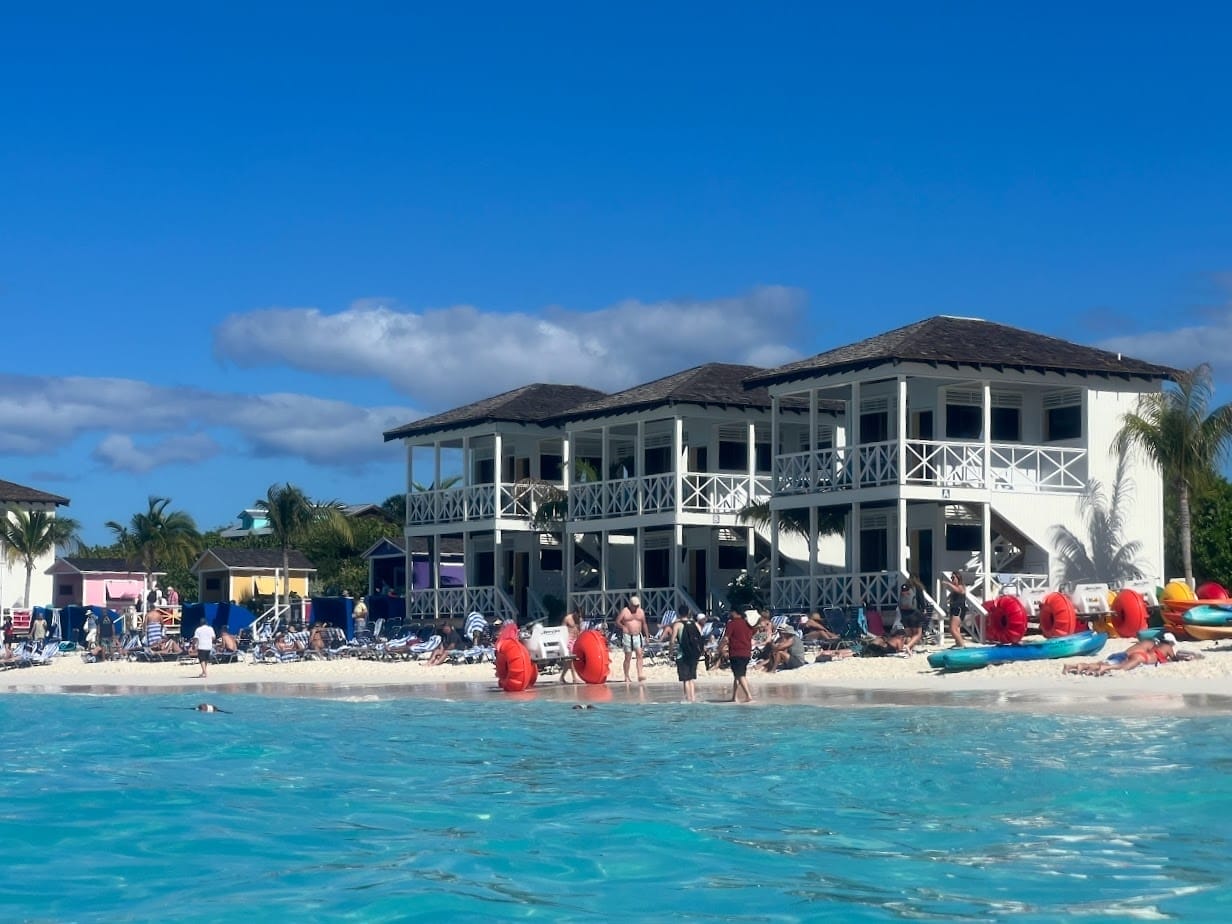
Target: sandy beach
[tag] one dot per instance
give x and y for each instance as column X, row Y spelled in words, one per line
column 1204, row 684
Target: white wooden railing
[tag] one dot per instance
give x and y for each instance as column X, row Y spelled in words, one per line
column 1005, row 467
column 443, row 602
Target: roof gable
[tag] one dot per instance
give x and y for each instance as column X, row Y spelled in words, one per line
column 75, row 563
column 950, row 341
column 261, row 559
column 530, row 404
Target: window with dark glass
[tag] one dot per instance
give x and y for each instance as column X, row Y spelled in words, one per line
column 732, row 558
column 1006, row 424
column 213, row 583
column 551, row 560
column 875, row 427
column 1063, row 423
column 550, row 467
column 963, row 537
column 485, row 568
column 485, row 471
column 656, row 568
column 963, row 422
column 733, row 456
column 764, row 461
column 658, row 460
column 874, row 550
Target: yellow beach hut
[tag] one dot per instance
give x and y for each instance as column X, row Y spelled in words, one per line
column 240, row 574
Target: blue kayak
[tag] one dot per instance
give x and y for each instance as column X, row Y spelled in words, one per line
column 971, row 657
column 1207, row 615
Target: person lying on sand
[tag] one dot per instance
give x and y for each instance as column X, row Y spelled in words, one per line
column 1147, row 651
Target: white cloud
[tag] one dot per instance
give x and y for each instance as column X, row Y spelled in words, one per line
column 446, row 357
column 1184, row 347
column 121, row 453
column 179, row 424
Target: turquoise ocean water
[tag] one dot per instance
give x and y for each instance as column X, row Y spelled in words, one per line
column 136, row 808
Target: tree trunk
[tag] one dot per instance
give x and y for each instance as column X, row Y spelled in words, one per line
column 286, row 582
column 29, row 571
column 1186, row 538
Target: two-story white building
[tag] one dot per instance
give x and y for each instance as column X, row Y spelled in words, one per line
column 564, row 492
column 961, row 444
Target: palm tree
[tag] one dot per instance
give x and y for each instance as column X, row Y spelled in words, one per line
column 30, row 534
column 291, row 513
column 1108, row 560
column 1183, row 440
column 158, row 537
column 831, row 521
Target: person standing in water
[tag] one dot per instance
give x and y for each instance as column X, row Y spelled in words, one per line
column 632, row 625
column 687, row 648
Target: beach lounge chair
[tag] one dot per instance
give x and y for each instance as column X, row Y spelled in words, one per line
column 424, row 648
column 476, row 623
column 848, row 624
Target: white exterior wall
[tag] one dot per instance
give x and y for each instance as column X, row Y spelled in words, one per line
column 13, row 582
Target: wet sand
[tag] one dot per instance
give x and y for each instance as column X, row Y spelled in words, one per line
column 1038, row 686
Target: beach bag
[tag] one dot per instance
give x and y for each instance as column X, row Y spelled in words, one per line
column 689, row 645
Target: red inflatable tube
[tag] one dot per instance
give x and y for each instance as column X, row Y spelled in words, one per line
column 590, row 656
column 1211, row 591
column 1129, row 615
column 515, row 669
column 1007, row 620
column 1057, row 616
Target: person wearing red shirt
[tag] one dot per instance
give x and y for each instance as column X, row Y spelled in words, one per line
column 738, row 646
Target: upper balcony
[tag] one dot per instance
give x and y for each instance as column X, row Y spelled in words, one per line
column 700, row 493
column 471, row 503
column 934, row 463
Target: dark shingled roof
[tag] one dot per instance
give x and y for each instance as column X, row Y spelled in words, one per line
column 946, row 341
column 98, row 565
column 529, row 404
column 12, row 493
column 261, row 558
column 714, row 384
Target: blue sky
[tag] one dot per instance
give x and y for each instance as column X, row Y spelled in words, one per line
column 237, row 241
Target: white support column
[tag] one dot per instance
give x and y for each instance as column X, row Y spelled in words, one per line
column 902, row 430
column 677, row 548
column 775, row 448
column 774, row 557
column 604, row 493
column 987, row 428
column 468, row 475
column 566, row 534
column 853, row 545
column 904, row 563
column 682, row 463
column 639, row 577
column 812, row 546
column 410, row 480
column 853, row 437
column 639, row 465
column 498, row 564
column 752, row 460
column 498, row 465
column 986, row 547
column 811, row 442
